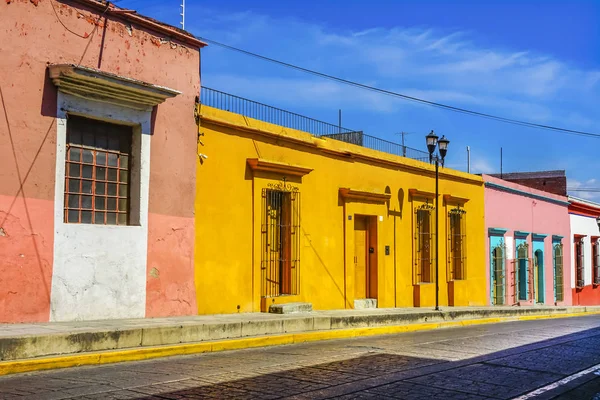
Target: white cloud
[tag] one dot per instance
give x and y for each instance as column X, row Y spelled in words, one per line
column 577, row 189
column 445, row 67
column 481, row 166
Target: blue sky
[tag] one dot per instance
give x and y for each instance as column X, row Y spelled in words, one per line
column 532, row 60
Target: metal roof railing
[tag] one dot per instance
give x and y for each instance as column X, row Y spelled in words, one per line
column 263, row 112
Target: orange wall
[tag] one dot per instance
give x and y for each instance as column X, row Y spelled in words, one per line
column 31, row 37
column 587, row 296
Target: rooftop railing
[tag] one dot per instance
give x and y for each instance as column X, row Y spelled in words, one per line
column 263, row 112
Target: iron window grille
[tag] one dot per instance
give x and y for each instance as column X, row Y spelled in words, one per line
column 97, row 166
column 579, row 264
column 423, row 253
column 280, row 240
column 596, row 249
column 498, row 278
column 457, row 244
column 558, row 272
column 522, row 263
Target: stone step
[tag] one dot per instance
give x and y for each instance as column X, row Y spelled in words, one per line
column 290, row 308
column 365, row 303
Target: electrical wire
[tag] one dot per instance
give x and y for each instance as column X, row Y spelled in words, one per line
column 91, row 36
column 64, row 26
column 403, row 96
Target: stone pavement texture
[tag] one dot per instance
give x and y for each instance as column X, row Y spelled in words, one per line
column 495, row 361
column 25, row 341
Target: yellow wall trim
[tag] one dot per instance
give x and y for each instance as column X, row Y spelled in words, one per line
column 235, row 121
column 260, row 164
column 374, row 197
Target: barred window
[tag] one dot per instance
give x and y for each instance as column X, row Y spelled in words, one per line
column 498, row 278
column 558, row 272
column 579, row 263
column 423, row 254
column 97, row 169
column 280, row 261
column 457, row 242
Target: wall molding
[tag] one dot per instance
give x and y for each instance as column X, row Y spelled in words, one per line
column 360, row 195
column 519, row 192
column 260, row 164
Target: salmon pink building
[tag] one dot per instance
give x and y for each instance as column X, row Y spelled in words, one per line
column 97, row 163
column 528, row 245
column 585, row 255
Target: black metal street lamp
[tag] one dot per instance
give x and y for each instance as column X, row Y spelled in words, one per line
column 433, row 141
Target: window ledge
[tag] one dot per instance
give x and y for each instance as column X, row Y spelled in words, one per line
column 260, row 164
column 96, row 85
column 359, row 195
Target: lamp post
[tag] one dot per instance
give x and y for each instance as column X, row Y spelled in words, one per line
column 433, row 141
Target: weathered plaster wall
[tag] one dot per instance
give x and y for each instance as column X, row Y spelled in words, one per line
column 587, row 226
column 30, row 38
column 99, row 270
column 520, row 212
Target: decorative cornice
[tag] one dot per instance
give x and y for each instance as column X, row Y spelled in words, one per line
column 141, row 20
column 538, row 236
column 511, row 190
column 93, row 84
column 260, row 164
column 523, row 234
column 421, row 193
column 587, row 210
column 373, row 197
column 448, row 198
column 557, row 238
column 497, row 231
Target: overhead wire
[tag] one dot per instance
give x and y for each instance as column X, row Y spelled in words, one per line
column 403, row 96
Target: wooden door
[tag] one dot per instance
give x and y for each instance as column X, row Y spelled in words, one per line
column 361, row 227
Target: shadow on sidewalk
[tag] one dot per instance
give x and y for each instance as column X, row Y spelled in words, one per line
column 380, row 375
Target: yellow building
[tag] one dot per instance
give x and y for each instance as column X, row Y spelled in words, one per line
column 285, row 216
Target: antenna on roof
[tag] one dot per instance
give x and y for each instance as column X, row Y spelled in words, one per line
column 182, row 14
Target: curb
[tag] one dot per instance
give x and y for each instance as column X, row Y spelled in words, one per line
column 147, row 353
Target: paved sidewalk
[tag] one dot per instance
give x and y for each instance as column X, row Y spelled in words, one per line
column 149, row 338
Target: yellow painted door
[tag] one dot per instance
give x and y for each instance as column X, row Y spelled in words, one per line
column 360, row 258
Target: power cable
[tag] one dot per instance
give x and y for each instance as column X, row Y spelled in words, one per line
column 403, row 96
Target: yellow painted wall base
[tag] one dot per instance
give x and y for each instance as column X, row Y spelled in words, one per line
column 424, row 295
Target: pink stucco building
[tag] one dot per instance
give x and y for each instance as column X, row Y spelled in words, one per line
column 528, row 245
column 97, row 163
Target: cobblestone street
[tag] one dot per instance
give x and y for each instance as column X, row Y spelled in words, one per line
column 498, row 361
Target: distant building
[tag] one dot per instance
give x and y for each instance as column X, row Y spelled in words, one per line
column 585, row 257
column 549, row 181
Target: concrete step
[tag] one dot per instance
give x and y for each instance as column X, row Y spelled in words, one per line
column 365, row 303
column 290, row 308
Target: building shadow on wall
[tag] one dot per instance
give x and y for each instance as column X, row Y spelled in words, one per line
column 379, row 374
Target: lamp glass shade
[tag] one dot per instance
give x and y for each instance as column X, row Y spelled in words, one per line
column 432, row 140
column 443, row 146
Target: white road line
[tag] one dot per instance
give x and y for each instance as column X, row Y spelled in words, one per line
column 560, row 383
